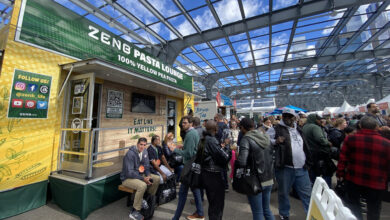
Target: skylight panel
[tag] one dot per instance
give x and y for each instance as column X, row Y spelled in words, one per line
column 224, row 50
column 259, row 54
column 230, row 60
column 255, row 7
column 138, row 10
column 241, row 46
column 258, row 32
column 68, row 5
column 282, row 27
column 96, row 3
column 182, row 25
column 234, row 66
column 126, row 22
column 162, row 30
column 280, row 38
column 203, row 18
column 228, row 11
column 165, row 7
column 238, row 37
column 193, row 57
column 102, row 24
column 126, row 37
column 3, row 6
column 208, row 54
column 215, row 62
column 221, row 68
column 201, row 46
column 261, row 61
column 147, row 36
column 190, row 4
column 278, row 4
column 187, row 50
column 109, row 10
column 218, row 42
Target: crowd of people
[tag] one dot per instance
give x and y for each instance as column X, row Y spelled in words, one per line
column 291, row 150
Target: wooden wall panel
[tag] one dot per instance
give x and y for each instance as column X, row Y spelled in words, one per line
column 110, row 139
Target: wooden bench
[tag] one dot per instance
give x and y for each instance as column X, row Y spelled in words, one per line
column 130, row 197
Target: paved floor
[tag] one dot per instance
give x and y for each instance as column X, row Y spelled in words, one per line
column 236, row 207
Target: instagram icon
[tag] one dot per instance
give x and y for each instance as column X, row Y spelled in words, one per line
column 21, row 86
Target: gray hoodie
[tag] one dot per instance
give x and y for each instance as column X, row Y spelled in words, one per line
column 261, row 139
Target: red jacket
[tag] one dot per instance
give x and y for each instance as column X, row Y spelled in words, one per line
column 365, row 159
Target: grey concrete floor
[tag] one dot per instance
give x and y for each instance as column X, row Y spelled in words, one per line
column 236, row 208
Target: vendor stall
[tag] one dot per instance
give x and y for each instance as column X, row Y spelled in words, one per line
column 75, row 97
column 384, row 104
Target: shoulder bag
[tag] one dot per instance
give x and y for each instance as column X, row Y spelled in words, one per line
column 246, row 180
column 191, row 173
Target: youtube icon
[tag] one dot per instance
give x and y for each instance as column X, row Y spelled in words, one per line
column 17, row 103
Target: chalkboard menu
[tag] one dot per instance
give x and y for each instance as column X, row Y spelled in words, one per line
column 141, row 103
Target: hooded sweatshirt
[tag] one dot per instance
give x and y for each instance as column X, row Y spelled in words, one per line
column 262, row 154
column 315, row 137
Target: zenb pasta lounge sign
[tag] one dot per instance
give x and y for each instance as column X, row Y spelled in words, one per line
column 50, row 26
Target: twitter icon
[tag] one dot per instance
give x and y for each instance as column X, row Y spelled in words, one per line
column 42, row 105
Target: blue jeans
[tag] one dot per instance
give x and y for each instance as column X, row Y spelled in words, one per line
column 297, row 178
column 183, row 191
column 260, row 204
column 178, row 172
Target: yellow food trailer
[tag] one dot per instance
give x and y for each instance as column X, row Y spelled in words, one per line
column 74, row 97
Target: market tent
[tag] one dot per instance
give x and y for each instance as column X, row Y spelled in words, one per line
column 384, row 103
column 330, row 110
column 384, row 100
column 297, row 109
column 345, row 107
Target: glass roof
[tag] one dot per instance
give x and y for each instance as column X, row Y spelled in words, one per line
column 225, row 38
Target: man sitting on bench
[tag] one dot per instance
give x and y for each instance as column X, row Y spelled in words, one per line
column 157, row 159
column 136, row 175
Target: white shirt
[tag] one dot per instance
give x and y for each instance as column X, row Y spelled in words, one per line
column 298, row 155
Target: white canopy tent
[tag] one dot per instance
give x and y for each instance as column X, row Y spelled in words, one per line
column 330, row 110
column 384, row 100
column 345, row 107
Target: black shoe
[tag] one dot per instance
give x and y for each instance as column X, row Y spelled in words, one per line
column 283, row 217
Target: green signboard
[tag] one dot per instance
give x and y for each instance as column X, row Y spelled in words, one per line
column 29, row 95
column 49, row 25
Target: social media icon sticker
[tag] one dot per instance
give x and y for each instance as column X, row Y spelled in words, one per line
column 17, row 103
column 30, row 104
column 20, row 86
column 44, row 89
column 42, row 105
column 32, row 87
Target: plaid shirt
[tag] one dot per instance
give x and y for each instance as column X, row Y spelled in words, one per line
column 365, row 159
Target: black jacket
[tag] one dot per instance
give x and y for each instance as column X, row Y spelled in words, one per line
column 215, row 158
column 336, row 137
column 283, row 151
column 256, row 150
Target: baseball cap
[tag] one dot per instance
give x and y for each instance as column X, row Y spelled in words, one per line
column 290, row 111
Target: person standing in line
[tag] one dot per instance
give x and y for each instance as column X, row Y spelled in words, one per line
column 215, row 159
column 221, row 135
column 373, row 112
column 136, row 175
column 320, row 148
column 256, row 149
column 292, row 161
column 234, row 131
column 190, row 145
column 336, row 134
column 198, row 127
column 364, row 165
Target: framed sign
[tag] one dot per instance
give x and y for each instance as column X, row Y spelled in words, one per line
column 77, row 105
column 114, row 104
column 29, row 95
column 141, row 103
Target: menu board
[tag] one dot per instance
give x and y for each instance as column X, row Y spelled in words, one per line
column 29, row 95
column 114, row 104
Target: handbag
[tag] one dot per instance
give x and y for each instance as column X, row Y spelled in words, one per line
column 175, row 160
column 246, row 180
column 191, row 173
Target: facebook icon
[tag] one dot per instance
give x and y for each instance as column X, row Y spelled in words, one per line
column 32, row 87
